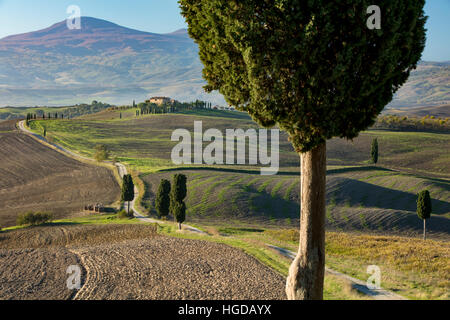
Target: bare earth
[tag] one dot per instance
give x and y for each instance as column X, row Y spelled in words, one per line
column 128, row 262
column 34, row 177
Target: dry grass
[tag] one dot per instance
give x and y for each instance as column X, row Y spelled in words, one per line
column 415, row 268
column 411, row 267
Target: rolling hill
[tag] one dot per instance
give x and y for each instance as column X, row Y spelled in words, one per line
column 101, row 61
column 360, row 197
column 37, row 178
column 107, row 62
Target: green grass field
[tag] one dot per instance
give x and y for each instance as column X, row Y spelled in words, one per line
column 145, row 143
column 360, row 197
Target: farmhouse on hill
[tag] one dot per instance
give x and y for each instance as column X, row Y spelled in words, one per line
column 160, row 100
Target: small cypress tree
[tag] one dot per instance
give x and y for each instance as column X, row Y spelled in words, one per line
column 162, row 201
column 179, row 212
column 424, row 208
column 127, row 190
column 177, row 195
column 179, row 189
column 45, row 132
column 374, row 151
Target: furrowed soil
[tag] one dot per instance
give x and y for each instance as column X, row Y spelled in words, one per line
column 35, row 178
column 128, row 262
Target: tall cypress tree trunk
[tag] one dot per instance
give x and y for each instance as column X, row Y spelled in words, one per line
column 306, row 274
column 424, row 229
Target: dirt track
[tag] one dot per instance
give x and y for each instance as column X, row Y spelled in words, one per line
column 36, row 178
column 128, row 262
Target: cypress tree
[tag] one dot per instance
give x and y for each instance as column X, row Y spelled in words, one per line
column 315, row 69
column 127, row 190
column 162, row 201
column 424, row 208
column 177, row 195
column 374, row 151
column 179, row 212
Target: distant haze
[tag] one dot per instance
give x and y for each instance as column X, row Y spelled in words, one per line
column 107, row 62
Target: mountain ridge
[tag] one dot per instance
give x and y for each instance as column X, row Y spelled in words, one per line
column 108, row 62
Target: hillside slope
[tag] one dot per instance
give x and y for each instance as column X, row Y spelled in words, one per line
column 37, row 178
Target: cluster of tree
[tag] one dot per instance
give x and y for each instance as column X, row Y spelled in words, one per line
column 31, row 116
column 177, row 106
column 404, row 123
column 170, row 199
column 128, row 191
column 153, row 108
column 31, row 218
column 120, row 107
column 62, row 112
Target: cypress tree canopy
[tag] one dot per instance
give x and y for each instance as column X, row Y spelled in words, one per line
column 127, row 188
column 424, row 204
column 162, row 201
column 179, row 189
column 311, row 66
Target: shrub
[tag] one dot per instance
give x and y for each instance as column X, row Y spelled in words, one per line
column 101, row 153
column 31, row 218
column 123, row 214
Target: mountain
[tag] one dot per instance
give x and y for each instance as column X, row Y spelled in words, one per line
column 101, row 61
column 107, row 62
column 428, row 85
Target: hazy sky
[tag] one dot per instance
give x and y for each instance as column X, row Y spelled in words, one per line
column 163, row 16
